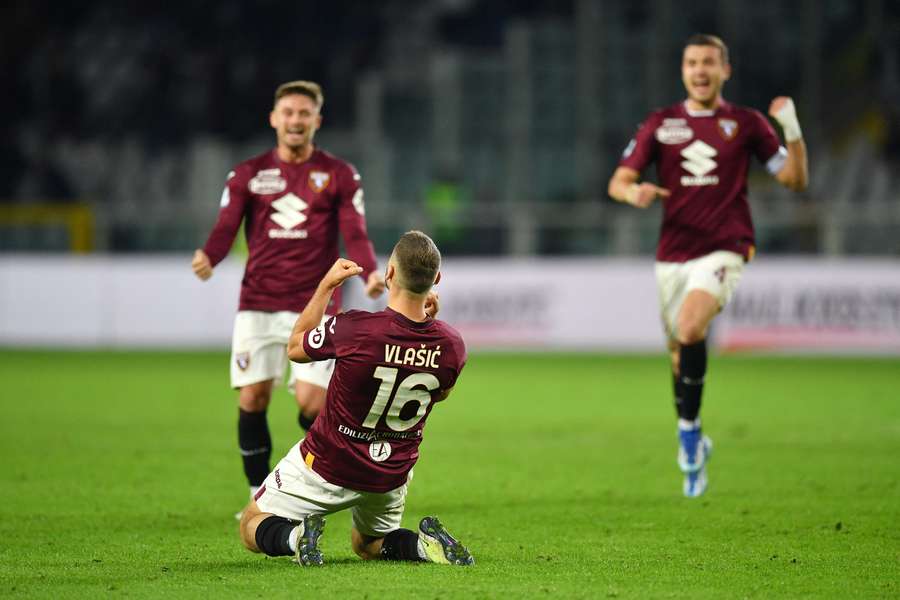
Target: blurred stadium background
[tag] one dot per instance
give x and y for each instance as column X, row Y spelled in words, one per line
column 492, row 125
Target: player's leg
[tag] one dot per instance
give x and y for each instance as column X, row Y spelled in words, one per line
column 254, row 439
column 711, row 281
column 377, row 535
column 310, row 382
column 368, row 547
column 257, row 362
column 274, row 535
column 310, row 396
column 675, row 358
column 287, row 515
column 697, row 312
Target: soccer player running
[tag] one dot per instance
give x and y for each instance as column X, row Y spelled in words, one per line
column 391, row 368
column 294, row 201
column 702, row 148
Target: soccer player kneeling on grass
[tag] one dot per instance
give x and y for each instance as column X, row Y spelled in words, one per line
column 390, row 369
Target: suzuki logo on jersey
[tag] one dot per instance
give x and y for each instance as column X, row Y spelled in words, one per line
column 699, row 161
column 289, row 213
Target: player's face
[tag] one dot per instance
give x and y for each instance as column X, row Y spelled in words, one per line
column 295, row 120
column 704, row 74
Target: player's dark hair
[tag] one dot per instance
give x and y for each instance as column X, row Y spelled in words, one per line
column 310, row 89
column 417, row 260
column 706, row 39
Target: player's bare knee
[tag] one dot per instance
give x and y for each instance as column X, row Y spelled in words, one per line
column 255, row 398
column 250, row 520
column 248, row 535
column 365, row 547
column 364, row 553
column 310, row 397
column 691, row 331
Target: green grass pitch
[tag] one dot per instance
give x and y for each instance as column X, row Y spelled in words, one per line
column 120, row 478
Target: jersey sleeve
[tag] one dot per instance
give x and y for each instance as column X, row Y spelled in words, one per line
column 641, row 150
column 334, row 339
column 459, row 347
column 231, row 212
column 765, row 144
column 352, row 220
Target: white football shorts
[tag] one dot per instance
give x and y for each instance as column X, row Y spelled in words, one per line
column 293, row 491
column 717, row 273
column 259, row 351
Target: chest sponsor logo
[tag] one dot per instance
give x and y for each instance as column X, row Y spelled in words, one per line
column 318, row 180
column 728, row 128
column 674, row 131
column 699, row 162
column 379, row 451
column 267, row 181
column 288, row 213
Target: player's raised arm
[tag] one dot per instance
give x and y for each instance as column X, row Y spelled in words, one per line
column 624, row 187
column 794, row 174
column 309, row 319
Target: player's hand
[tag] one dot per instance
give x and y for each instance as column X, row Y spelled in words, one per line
column 782, row 110
column 201, row 265
column 432, row 304
column 642, row 195
column 777, row 104
column 375, row 285
column 340, row 271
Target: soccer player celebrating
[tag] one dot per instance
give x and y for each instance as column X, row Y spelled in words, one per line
column 294, row 201
column 702, row 148
column 391, row 368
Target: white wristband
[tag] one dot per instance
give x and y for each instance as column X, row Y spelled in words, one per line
column 787, row 118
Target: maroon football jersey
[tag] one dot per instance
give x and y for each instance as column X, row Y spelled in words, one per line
column 388, row 369
column 292, row 215
column 702, row 157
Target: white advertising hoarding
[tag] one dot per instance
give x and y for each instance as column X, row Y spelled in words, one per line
column 536, row 304
column 815, row 305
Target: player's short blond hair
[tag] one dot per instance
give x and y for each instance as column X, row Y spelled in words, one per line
column 417, row 261
column 307, row 88
column 706, row 39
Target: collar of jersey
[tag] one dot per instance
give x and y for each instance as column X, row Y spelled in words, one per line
column 407, row 321
column 703, row 113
